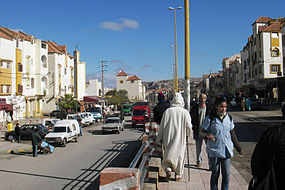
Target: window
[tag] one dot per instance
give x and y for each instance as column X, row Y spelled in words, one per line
column 65, row 70
column 5, row 64
column 44, row 61
column 275, row 52
column 5, row 89
column 20, row 67
column 275, row 68
column 132, row 81
column 121, row 82
column 44, row 46
column 275, row 35
column 33, row 83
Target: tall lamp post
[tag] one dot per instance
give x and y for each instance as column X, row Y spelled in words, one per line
column 175, row 86
column 187, row 55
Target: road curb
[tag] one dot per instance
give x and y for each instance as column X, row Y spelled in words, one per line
column 18, row 150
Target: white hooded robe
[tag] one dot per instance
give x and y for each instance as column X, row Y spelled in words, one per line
column 174, row 127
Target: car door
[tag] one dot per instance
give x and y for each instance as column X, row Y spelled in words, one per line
column 27, row 132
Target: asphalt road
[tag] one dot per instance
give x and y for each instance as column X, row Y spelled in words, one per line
column 249, row 126
column 76, row 166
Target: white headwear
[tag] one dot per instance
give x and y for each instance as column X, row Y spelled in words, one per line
column 177, row 100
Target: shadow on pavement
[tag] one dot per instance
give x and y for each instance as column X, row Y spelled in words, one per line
column 120, row 155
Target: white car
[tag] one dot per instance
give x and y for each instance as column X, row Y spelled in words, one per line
column 64, row 131
column 113, row 124
column 49, row 123
column 87, row 118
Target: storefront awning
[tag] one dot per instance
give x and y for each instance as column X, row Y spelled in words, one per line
column 5, row 107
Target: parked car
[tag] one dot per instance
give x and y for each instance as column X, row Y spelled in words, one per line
column 97, row 112
column 113, row 124
column 87, row 118
column 27, row 130
column 49, row 123
column 64, row 131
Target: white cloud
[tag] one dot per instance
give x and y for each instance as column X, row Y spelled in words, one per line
column 120, row 25
column 129, row 23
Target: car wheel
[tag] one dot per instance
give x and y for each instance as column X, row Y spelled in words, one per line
column 10, row 137
column 103, row 132
column 76, row 139
column 64, row 143
column 118, row 131
column 123, row 128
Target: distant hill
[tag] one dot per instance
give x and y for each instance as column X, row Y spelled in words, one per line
column 168, row 83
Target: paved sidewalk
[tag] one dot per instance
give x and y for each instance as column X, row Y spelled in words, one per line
column 7, row 147
column 200, row 177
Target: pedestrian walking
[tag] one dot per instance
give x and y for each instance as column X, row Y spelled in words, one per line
column 268, row 158
column 218, row 128
column 36, row 139
column 198, row 114
column 18, row 131
column 174, row 128
column 160, row 107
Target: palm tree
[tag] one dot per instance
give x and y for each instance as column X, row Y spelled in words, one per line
column 68, row 102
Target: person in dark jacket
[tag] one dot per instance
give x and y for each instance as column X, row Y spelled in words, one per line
column 18, row 131
column 268, row 158
column 198, row 114
column 160, row 108
column 36, row 139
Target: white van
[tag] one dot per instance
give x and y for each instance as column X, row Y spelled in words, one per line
column 63, row 132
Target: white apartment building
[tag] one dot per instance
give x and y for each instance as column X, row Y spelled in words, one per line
column 23, row 62
column 232, row 73
column 262, row 57
column 93, row 88
column 60, row 75
column 132, row 84
column 80, row 76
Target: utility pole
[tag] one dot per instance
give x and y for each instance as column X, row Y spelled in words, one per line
column 102, row 66
column 175, row 50
column 187, row 55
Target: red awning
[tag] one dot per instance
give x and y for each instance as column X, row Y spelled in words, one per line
column 91, row 99
column 6, row 107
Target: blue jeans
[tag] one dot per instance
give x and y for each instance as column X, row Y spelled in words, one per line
column 216, row 164
column 35, row 150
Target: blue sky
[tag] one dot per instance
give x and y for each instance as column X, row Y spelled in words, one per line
column 136, row 35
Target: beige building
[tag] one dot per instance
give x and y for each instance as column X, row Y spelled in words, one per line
column 262, row 58
column 132, row 84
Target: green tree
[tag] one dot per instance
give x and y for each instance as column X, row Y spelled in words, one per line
column 68, row 102
column 118, row 97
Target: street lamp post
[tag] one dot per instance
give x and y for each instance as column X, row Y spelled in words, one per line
column 175, row 86
column 187, row 55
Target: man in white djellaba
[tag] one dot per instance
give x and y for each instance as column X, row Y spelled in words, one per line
column 174, row 128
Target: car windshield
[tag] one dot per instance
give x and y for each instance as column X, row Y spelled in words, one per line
column 139, row 112
column 112, row 121
column 59, row 129
column 127, row 106
column 70, row 117
column 95, row 109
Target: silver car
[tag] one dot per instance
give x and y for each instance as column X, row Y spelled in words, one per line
column 113, row 124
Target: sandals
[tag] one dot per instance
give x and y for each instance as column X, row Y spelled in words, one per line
column 177, row 178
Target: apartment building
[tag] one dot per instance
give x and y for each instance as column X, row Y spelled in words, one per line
column 93, row 88
column 232, row 73
column 262, row 58
column 80, row 76
column 132, row 84
column 23, row 72
column 60, row 75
